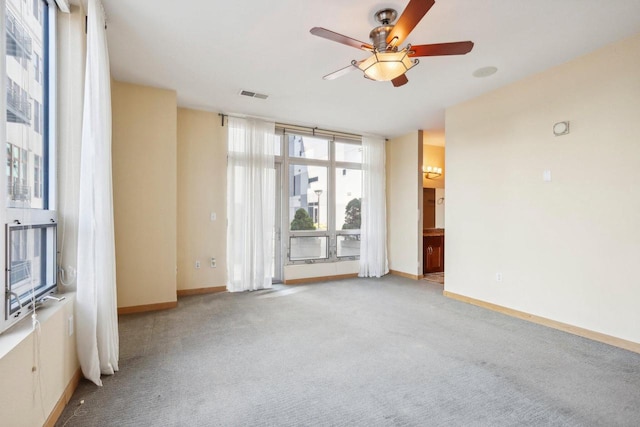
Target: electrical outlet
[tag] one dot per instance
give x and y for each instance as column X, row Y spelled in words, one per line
column 197, row 263
column 213, row 262
column 499, row 277
column 70, row 325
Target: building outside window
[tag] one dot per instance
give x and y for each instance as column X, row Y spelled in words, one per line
column 17, row 167
column 36, row 67
column 37, row 10
column 26, row 41
column 36, row 117
column 37, row 176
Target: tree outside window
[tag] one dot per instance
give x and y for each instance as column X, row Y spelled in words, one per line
column 302, row 221
column 352, row 217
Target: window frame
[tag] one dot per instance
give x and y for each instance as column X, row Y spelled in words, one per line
column 30, row 217
column 332, row 166
column 47, row 120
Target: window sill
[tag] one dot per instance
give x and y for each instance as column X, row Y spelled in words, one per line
column 322, row 261
column 17, row 333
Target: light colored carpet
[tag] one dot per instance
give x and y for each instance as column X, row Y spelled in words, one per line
column 358, row 352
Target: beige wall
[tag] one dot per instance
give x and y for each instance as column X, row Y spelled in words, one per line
column 404, row 203
column 436, row 138
column 144, row 152
column 321, row 269
column 28, row 398
column 202, row 178
column 440, row 202
column 568, row 248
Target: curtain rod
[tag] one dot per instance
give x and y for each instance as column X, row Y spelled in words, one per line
column 310, row 129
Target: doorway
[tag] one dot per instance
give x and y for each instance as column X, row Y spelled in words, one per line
column 433, row 235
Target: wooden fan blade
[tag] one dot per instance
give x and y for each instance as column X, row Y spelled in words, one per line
column 400, row 80
column 455, row 48
column 413, row 13
column 333, row 36
column 341, row 72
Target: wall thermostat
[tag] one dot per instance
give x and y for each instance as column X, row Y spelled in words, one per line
column 561, row 128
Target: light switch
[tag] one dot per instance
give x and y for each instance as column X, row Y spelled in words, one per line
column 546, row 175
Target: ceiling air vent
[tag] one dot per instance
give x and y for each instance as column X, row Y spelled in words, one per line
column 253, row 94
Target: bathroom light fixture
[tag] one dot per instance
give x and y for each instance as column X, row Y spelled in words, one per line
column 431, row 172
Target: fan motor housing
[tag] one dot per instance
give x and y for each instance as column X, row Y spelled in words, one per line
column 386, row 16
column 379, row 35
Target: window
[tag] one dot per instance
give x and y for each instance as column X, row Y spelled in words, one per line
column 308, row 184
column 17, row 166
column 30, row 221
column 36, row 117
column 29, row 276
column 28, row 141
column 36, row 67
column 37, row 176
column 348, row 218
column 322, row 197
column 348, row 152
column 308, row 148
column 37, row 4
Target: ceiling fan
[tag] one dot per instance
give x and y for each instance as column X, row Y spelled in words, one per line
column 388, row 62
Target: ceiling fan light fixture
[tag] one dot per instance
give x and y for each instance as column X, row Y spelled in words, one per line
column 387, row 63
column 385, row 66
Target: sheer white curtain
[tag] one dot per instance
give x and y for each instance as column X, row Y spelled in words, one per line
column 96, row 307
column 250, row 204
column 373, row 245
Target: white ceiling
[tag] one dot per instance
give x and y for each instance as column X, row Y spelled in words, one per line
column 209, row 50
